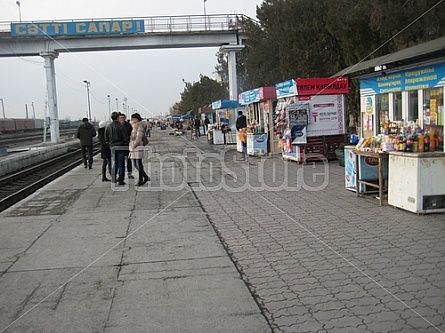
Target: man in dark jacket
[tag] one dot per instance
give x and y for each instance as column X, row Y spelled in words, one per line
column 241, row 121
column 117, row 138
column 85, row 133
column 129, row 128
column 197, row 125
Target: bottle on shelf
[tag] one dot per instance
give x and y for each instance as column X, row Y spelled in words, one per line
column 432, row 140
column 440, row 142
column 409, row 144
column 426, row 142
column 415, row 142
column 420, row 143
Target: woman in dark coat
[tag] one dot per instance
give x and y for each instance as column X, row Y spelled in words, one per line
column 105, row 152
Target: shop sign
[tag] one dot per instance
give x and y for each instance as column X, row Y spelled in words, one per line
column 78, row 28
column 286, row 89
column 312, row 86
column 322, row 86
column 249, row 97
column 412, row 79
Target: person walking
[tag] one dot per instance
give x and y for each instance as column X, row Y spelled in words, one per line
column 241, row 127
column 129, row 128
column 85, row 133
column 197, row 125
column 105, row 152
column 206, row 124
column 117, row 139
column 136, row 147
column 148, row 128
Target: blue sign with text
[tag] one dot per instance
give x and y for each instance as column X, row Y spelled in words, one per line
column 412, row 79
column 78, row 28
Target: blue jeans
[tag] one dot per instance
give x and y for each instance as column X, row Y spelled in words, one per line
column 118, row 158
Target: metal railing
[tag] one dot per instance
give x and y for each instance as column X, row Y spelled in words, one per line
column 164, row 24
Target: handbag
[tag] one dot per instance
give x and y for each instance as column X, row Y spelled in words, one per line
column 144, row 140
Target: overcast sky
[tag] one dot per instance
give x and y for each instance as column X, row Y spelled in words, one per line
column 151, row 80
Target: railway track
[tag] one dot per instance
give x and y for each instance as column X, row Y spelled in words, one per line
column 19, row 185
column 20, row 138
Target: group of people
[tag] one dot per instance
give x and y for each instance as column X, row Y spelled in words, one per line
column 121, row 142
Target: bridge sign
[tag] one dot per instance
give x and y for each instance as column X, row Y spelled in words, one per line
column 78, row 28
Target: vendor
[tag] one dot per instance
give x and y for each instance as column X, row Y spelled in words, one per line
column 241, row 121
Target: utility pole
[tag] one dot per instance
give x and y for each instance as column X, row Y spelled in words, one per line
column 109, row 105
column 205, row 15
column 87, row 84
column 3, row 107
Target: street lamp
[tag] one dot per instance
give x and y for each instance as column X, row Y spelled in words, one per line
column 109, row 104
column 87, row 84
column 20, row 11
column 125, row 108
column 117, row 104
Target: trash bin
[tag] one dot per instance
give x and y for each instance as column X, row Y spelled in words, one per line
column 340, row 153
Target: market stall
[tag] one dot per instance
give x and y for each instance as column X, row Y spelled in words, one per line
column 403, row 114
column 223, row 130
column 259, row 104
column 310, row 117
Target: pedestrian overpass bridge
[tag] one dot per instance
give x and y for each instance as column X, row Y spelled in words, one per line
column 49, row 39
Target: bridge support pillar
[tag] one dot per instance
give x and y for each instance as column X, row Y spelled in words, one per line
column 231, row 50
column 52, row 94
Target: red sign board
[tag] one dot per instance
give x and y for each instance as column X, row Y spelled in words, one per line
column 322, row 86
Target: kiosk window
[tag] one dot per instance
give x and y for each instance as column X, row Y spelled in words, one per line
column 433, row 106
column 397, row 106
column 413, row 105
column 382, row 102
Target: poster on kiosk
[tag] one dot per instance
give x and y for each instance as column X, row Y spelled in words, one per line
column 313, row 108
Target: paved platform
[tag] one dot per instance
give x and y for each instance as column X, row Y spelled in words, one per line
column 218, row 244
column 19, row 158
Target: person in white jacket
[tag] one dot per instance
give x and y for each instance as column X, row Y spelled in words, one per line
column 136, row 146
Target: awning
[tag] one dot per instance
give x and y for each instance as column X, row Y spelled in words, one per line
column 422, row 52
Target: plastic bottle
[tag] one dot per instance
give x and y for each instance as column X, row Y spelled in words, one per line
column 404, row 143
column 399, row 143
column 432, row 140
column 440, row 142
column 409, row 144
column 415, row 143
column 426, row 142
column 420, row 143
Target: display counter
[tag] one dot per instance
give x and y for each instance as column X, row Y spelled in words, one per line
column 417, row 181
column 379, row 159
column 257, row 144
column 368, row 170
column 218, row 137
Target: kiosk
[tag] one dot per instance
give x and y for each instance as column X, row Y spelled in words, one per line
column 259, row 104
column 223, row 131
column 409, row 119
column 310, row 117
